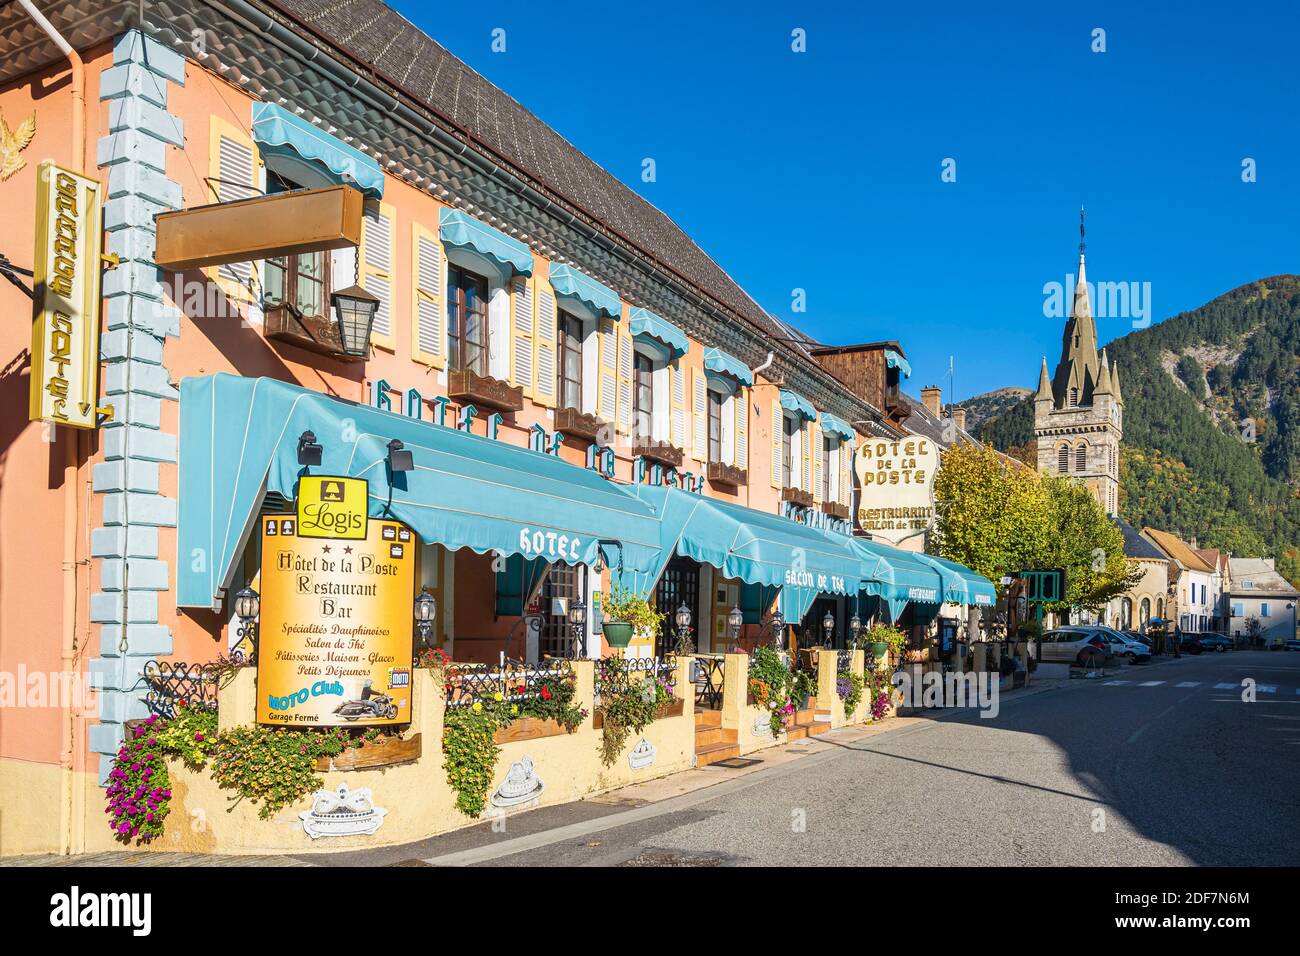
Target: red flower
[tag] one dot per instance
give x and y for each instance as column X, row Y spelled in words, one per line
column 546, row 692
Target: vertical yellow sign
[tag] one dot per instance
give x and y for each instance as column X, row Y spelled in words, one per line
column 66, row 271
column 336, row 632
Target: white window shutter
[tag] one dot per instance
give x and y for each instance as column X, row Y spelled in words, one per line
column 778, row 465
column 804, row 446
column 624, row 379
column 742, row 429
column 701, row 412
column 377, row 266
column 608, row 370
column 429, row 336
column 815, row 447
column 846, row 473
column 546, row 334
column 236, row 176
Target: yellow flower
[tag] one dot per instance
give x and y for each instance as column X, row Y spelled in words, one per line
column 478, row 707
column 514, row 710
column 497, row 697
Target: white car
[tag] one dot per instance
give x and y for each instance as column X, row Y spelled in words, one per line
column 1122, row 645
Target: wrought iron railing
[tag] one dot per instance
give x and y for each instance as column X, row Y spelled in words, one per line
column 613, row 671
column 514, row 680
column 843, row 662
column 166, row 683
column 709, row 673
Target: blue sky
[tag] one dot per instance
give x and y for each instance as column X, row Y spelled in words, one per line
column 822, row 170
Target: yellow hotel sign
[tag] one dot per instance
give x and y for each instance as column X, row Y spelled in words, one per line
column 332, row 507
column 335, row 637
column 65, row 334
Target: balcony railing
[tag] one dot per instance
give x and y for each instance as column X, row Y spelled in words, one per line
column 835, row 509
column 315, row 333
column 661, row 452
column 467, row 387
column 575, row 424
column 797, row 496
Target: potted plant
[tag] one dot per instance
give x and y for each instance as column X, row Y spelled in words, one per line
column 628, row 614
column 879, row 639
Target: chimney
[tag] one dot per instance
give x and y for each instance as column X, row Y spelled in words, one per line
column 931, row 397
column 959, row 418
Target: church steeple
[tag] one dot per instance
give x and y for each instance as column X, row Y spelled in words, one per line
column 1078, row 371
column 1044, row 384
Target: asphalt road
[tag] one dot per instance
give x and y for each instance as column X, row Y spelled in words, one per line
column 1095, row 773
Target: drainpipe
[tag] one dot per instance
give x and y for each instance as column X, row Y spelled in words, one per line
column 767, row 363
column 71, row 467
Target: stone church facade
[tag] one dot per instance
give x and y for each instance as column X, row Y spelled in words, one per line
column 1079, row 412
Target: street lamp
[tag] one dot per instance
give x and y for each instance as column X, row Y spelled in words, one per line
column 247, row 607
column 683, row 621
column 777, row 623
column 828, row 627
column 735, row 621
column 578, row 625
column 309, row 449
column 855, row 630
column 354, row 311
column 426, row 607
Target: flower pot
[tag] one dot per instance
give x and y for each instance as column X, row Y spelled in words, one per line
column 879, row 650
column 618, row 634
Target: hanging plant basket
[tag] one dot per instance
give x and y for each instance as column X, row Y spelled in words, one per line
column 879, row 650
column 618, row 633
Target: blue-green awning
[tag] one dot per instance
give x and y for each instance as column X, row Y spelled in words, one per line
column 970, row 588
column 898, row 576
column 277, row 131
column 754, row 546
column 239, row 439
column 716, row 360
column 895, row 360
column 567, row 280
column 644, row 322
column 794, row 402
column 835, row 426
column 461, row 229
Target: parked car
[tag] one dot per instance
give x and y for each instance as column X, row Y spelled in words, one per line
column 1075, row 646
column 1189, row 644
column 1120, row 644
column 1291, row 645
column 1213, row 642
column 1139, row 637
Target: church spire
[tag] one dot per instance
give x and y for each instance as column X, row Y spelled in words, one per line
column 1044, row 384
column 1078, row 371
column 1103, row 377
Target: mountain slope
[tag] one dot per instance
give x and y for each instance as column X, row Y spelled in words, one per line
column 1217, row 391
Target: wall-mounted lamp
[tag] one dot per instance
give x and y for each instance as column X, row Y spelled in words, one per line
column 354, row 310
column 309, row 450
column 399, row 457
column 248, row 605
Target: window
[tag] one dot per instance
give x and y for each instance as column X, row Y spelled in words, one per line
column 643, row 394
column 569, row 385
column 1263, row 610
column 1074, row 397
column 789, row 444
column 467, row 321
column 300, row 282
column 1063, row 459
column 1145, row 611
column 1238, row 609
column 1081, row 457
column 715, row 426
column 825, row 451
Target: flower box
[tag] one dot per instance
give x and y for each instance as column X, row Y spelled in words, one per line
column 466, row 387
column 529, row 728
column 572, row 423
column 661, row 452
column 729, row 475
column 798, row 497
column 835, row 509
column 671, row 709
column 381, row 752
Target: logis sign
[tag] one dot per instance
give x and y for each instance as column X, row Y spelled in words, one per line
column 65, row 333
column 897, row 482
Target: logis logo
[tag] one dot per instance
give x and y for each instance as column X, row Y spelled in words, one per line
column 74, row 909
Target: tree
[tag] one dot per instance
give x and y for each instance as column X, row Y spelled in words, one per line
column 1082, row 539
column 989, row 515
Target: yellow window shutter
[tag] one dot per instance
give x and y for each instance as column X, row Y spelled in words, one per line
column 523, row 351
column 677, row 400
column 546, row 334
column 815, row 447
column 375, row 267
column 428, row 312
column 607, row 395
column 846, row 473
column 624, row 378
column 805, row 457
column 233, row 173
column 778, row 478
column 742, row 429
column 700, row 411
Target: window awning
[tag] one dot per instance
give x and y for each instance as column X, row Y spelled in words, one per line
column 461, row 229
column 239, row 440
column 757, row 547
column 644, row 322
column 835, row 426
column 279, row 132
column 716, row 360
column 895, row 360
column 794, row 402
column 567, row 280
column 961, row 584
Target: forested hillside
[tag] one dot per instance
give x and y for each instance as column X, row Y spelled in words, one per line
column 1211, row 422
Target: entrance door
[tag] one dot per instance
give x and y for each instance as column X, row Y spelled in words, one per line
column 726, row 595
column 564, row 584
column 679, row 584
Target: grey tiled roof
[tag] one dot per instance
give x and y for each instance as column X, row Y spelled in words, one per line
column 1136, row 546
column 403, row 56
